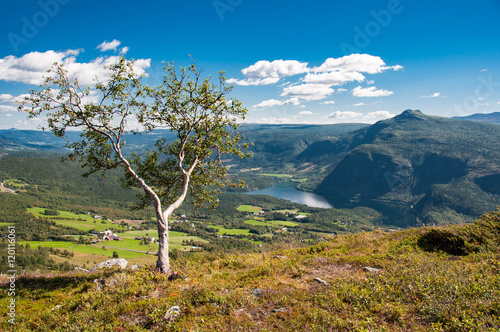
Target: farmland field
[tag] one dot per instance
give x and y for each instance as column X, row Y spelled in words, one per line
column 81, row 222
column 249, row 208
column 231, row 231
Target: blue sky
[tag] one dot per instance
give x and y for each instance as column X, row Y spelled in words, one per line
column 291, row 61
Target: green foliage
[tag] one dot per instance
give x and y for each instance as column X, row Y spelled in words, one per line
column 51, row 212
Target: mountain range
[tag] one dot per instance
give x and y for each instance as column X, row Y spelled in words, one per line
column 481, row 117
column 445, row 170
column 433, row 169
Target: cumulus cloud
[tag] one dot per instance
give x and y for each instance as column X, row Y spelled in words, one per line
column 8, row 108
column 306, row 113
column 361, row 63
column 379, row 115
column 274, row 102
column 308, row 91
column 316, row 83
column 8, row 102
column 124, row 50
column 329, row 102
column 32, row 67
column 434, row 95
column 254, row 81
column 265, row 72
column 370, row 92
column 8, row 98
column 107, row 46
column 344, row 115
column 334, row 78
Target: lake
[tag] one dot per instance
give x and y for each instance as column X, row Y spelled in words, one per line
column 288, row 190
column 394, row 213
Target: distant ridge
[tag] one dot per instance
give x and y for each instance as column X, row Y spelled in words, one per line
column 481, row 117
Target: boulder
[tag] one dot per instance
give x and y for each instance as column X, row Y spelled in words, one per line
column 121, row 262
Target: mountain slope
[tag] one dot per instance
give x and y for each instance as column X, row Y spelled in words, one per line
column 443, row 167
column 481, row 117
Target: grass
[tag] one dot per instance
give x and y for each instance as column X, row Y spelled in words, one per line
column 15, row 182
column 86, row 249
column 283, row 223
column 277, row 175
column 271, row 223
column 70, row 219
column 416, row 287
column 249, row 208
column 258, row 223
column 231, row 231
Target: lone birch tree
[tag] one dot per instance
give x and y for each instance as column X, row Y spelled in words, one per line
column 197, row 111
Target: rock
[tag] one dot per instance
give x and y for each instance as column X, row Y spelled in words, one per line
column 280, row 310
column 134, row 267
column 257, row 292
column 121, row 262
column 371, row 269
column 175, row 276
column 173, row 313
column 321, row 281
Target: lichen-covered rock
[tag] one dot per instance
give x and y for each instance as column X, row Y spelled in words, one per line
column 121, row 262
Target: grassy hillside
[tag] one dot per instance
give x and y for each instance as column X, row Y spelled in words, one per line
column 427, row 279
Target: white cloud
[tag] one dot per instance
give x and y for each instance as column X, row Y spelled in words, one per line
column 8, row 108
column 8, row 98
column 334, row 78
column 370, row 92
column 344, row 115
column 274, row 102
column 434, row 95
column 262, row 69
column 306, row 113
column 359, row 104
column 317, row 82
column 253, row 81
column 32, row 67
column 370, row 82
column 8, row 115
column 362, row 63
column 308, row 91
column 379, row 115
column 124, row 50
column 483, row 70
column 329, row 102
column 264, row 72
column 107, row 46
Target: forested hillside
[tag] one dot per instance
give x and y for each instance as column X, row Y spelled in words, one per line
column 446, row 170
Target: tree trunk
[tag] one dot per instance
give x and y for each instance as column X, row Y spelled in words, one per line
column 163, row 263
